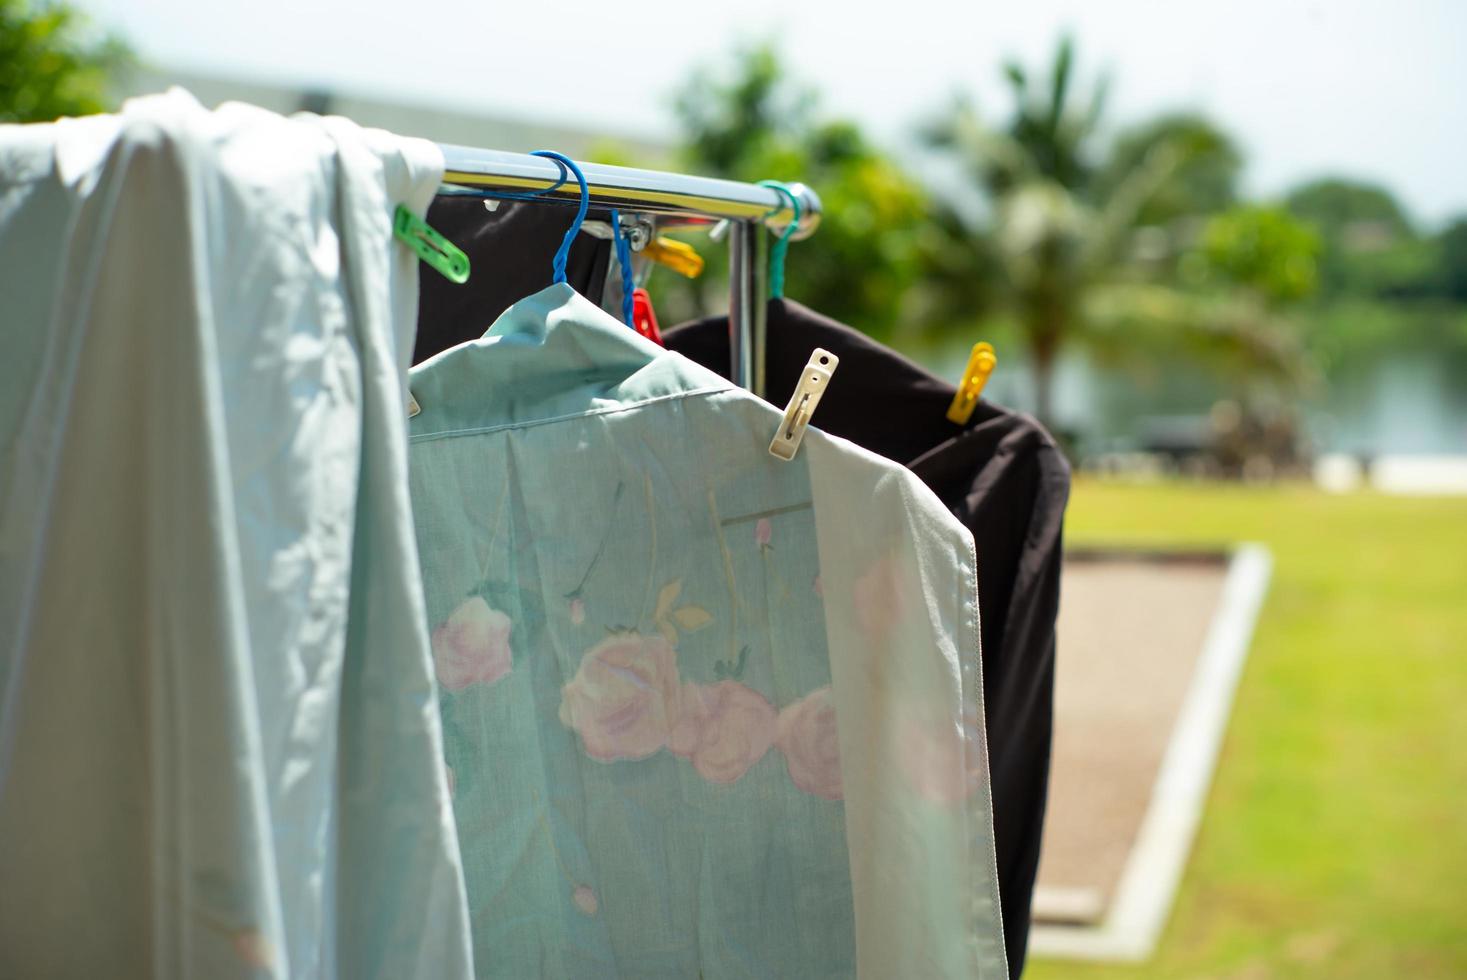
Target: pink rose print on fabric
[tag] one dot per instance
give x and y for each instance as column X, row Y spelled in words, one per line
column 723, row 729
column 623, row 700
column 941, row 761
column 880, row 600
column 472, row 647
column 763, row 532
column 806, row 734
column 253, row 949
column 585, row 898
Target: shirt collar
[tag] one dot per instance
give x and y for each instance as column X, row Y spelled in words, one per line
column 552, row 355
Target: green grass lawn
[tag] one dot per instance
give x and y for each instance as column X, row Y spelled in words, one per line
column 1334, row 842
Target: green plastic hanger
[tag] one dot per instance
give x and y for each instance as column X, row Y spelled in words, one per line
column 782, row 244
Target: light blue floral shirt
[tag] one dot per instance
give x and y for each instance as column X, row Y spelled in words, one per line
column 645, row 630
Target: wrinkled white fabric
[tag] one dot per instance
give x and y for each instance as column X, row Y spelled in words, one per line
column 220, row 754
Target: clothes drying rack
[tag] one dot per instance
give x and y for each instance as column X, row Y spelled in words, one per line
column 677, row 198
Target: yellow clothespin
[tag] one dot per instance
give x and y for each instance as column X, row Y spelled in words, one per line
column 678, row 256
column 980, row 365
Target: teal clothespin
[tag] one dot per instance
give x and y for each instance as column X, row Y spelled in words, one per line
column 781, row 248
column 430, row 246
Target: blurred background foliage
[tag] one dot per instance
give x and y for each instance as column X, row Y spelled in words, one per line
column 1034, row 223
column 749, row 120
column 52, row 64
column 1055, row 230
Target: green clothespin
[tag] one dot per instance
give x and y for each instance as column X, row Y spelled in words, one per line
column 431, row 247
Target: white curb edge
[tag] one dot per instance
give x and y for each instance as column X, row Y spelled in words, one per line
column 1148, row 884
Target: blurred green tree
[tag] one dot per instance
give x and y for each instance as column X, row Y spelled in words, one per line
column 1253, row 264
column 748, row 120
column 1265, row 249
column 1063, row 223
column 52, row 64
column 1369, row 245
column 1206, row 176
column 1452, row 261
column 1231, row 307
column 1385, row 288
column 1335, row 204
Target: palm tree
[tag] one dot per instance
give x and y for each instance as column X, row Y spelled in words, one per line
column 1058, row 224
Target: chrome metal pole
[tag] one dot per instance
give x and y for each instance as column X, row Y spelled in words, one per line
column 748, row 265
column 741, row 302
column 474, row 170
column 759, row 321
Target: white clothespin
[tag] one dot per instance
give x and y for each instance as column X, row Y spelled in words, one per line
column 803, row 402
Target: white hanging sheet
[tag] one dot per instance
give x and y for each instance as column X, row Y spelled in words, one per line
column 220, row 754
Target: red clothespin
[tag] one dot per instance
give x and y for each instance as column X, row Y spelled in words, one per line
column 644, row 318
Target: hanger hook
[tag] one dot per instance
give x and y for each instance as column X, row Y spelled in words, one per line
column 782, row 246
column 563, row 253
column 624, row 260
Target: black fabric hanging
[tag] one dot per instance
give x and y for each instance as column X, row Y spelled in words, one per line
column 1006, row 480
column 509, row 252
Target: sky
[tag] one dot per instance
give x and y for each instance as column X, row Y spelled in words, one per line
column 1373, row 89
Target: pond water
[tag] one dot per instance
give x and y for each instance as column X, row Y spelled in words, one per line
column 1409, row 403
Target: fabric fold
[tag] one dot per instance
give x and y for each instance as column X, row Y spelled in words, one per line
column 219, row 753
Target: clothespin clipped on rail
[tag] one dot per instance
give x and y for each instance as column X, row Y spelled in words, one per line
column 981, row 363
column 813, row 382
column 430, row 245
column 678, row 256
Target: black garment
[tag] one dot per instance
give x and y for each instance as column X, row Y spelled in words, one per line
column 1005, row 479
column 509, row 250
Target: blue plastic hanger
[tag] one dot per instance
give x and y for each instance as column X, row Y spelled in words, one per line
column 624, row 259
column 568, row 168
column 562, row 254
